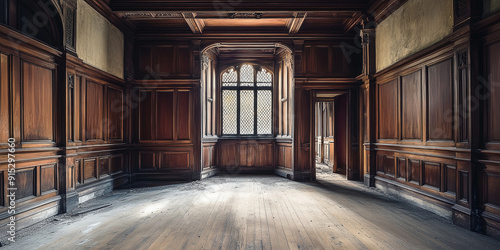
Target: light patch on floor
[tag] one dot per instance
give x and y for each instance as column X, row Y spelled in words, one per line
column 252, row 212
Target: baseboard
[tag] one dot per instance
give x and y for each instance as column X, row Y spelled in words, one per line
column 369, row 181
column 209, row 173
column 302, row 176
column 283, row 172
column 99, row 188
column 419, row 198
column 462, row 217
column 492, row 224
column 246, row 170
column 170, row 176
column 29, row 215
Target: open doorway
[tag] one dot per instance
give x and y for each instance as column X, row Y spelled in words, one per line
column 331, row 133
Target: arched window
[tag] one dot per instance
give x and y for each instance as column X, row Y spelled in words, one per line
column 247, row 100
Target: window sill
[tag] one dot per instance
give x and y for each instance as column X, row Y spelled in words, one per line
column 267, row 137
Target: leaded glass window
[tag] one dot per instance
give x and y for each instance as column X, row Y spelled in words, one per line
column 247, row 101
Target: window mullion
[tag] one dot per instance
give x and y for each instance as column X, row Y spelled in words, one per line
column 255, row 111
column 238, row 110
column 255, row 102
column 238, row 101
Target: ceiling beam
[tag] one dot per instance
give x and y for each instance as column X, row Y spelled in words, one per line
column 196, row 25
column 296, row 22
column 237, row 6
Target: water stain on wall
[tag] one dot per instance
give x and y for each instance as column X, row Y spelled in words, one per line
column 99, row 43
column 413, row 27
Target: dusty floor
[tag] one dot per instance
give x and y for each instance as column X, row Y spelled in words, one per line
column 251, row 212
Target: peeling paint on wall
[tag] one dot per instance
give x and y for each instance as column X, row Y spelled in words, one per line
column 99, row 43
column 414, row 26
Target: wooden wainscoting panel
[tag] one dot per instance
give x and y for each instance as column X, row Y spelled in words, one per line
column 390, row 165
column 184, row 115
column 145, row 62
column 402, row 173
column 37, row 108
column 440, row 101
column 147, row 160
column 4, row 98
column 281, row 155
column 322, row 58
column 103, row 166
column 414, row 171
column 388, row 110
column 165, row 115
column 183, row 60
column 432, row 174
column 48, row 178
column 166, row 60
column 25, row 182
column 89, row 168
column 266, row 153
column 145, row 116
column 284, row 152
column 380, row 163
column 115, row 114
column 163, row 59
column 243, row 153
column 411, row 106
column 463, row 192
column 70, row 177
column 116, row 164
column 95, row 111
column 493, row 102
column 450, row 178
column 492, row 197
column 229, row 154
column 207, row 153
column 288, row 157
column 78, row 171
column 175, row 160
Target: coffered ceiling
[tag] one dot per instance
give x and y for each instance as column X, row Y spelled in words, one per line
column 240, row 16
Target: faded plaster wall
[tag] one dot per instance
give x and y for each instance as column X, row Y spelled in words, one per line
column 413, row 27
column 98, row 42
column 491, row 6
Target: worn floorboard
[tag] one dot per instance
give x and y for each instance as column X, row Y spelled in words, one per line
column 252, row 212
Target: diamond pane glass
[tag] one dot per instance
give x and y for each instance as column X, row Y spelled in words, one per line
column 230, row 78
column 264, row 79
column 229, row 112
column 246, row 75
column 264, row 112
column 247, row 112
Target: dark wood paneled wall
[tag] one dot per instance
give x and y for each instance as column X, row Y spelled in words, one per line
column 61, row 155
column 322, row 66
column 167, row 134
column 95, row 129
column 417, row 145
column 164, row 61
column 320, row 59
column 489, row 158
column 237, row 156
column 432, row 131
column 28, row 113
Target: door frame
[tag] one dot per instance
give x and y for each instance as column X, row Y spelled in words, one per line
column 329, row 96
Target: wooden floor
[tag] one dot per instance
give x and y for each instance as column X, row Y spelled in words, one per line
column 252, row 212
